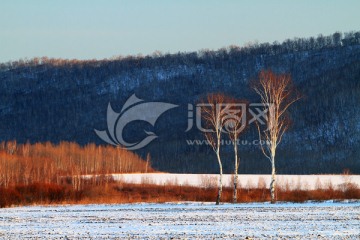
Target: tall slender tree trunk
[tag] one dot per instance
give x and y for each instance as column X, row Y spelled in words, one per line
column 235, row 173
column 218, row 199
column 273, row 178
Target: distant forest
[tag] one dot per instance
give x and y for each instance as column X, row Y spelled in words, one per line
column 54, row 100
column 23, row 164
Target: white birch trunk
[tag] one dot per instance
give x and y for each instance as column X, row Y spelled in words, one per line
column 273, row 178
column 235, row 173
column 218, row 199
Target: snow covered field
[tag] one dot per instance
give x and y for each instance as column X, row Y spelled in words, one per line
column 305, row 182
column 184, row 220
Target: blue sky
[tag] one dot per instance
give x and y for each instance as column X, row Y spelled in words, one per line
column 86, row 29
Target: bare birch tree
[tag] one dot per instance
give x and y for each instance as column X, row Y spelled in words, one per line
column 213, row 113
column 235, row 123
column 277, row 93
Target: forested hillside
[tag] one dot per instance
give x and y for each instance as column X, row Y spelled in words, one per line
column 65, row 100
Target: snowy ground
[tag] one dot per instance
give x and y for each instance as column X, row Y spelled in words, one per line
column 305, row 182
column 186, row 220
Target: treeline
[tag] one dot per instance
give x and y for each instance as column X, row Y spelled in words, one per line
column 65, row 162
column 338, row 39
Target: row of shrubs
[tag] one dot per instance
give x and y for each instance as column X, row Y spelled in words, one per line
column 42, row 193
column 115, row 192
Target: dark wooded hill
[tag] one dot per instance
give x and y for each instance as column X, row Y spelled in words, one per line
column 65, row 100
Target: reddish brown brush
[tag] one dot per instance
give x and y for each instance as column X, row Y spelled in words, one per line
column 115, row 192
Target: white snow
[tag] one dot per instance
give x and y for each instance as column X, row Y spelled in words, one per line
column 328, row 220
column 305, row 182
